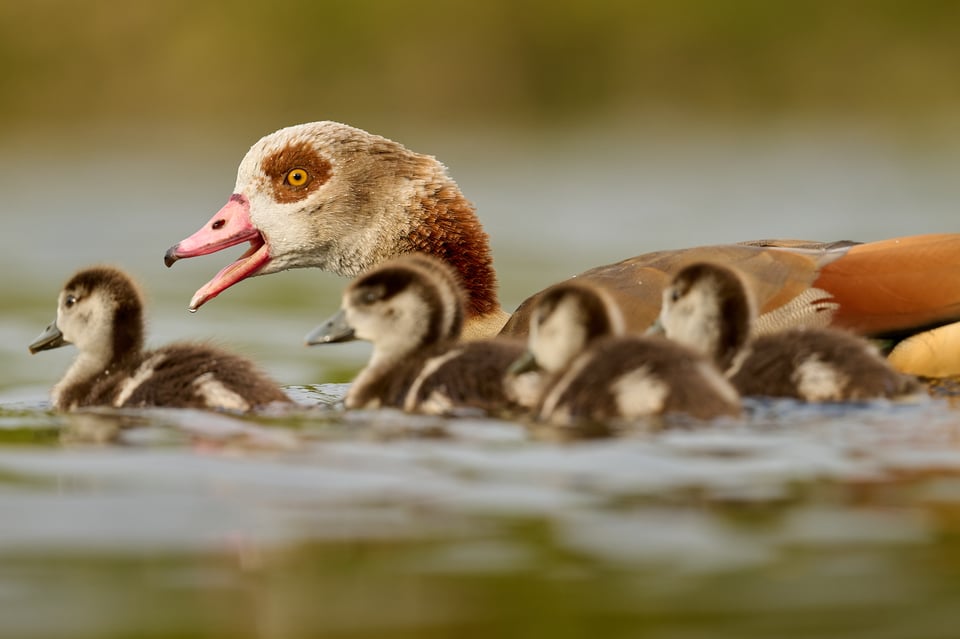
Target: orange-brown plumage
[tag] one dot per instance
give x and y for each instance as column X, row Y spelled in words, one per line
column 896, row 286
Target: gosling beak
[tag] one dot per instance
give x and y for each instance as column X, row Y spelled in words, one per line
column 524, row 364
column 51, row 338
column 333, row 330
column 656, row 328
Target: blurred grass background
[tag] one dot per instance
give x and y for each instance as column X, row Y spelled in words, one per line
column 424, row 63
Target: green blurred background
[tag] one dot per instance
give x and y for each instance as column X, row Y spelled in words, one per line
column 380, row 63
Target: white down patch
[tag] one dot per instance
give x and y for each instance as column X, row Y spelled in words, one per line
column 819, row 381
column 437, row 403
column 216, row 395
column 143, row 373
column 557, row 340
column 694, row 319
column 525, row 389
column 638, row 393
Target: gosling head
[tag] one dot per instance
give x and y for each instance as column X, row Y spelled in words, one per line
column 707, row 307
column 567, row 318
column 99, row 311
column 400, row 306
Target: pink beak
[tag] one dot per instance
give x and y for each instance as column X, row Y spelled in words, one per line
column 229, row 227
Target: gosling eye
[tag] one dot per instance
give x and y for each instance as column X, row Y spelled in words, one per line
column 69, row 301
column 674, row 295
column 297, row 177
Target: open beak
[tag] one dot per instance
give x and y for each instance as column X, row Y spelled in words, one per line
column 49, row 339
column 333, row 330
column 229, row 227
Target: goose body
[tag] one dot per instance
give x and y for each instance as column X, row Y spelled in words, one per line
column 334, row 197
column 412, row 309
column 598, row 374
column 707, row 307
column 100, row 311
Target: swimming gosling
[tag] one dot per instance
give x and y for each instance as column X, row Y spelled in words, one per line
column 707, row 307
column 412, row 310
column 600, row 374
column 100, row 311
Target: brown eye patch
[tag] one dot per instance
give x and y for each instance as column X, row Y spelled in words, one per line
column 296, row 171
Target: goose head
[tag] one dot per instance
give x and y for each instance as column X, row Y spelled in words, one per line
column 334, row 197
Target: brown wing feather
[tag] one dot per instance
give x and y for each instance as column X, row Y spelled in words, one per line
column 775, row 275
column 888, row 288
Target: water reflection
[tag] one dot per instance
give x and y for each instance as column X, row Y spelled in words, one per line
column 451, row 510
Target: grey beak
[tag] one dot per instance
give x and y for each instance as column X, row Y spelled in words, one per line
column 523, row 364
column 333, row 330
column 656, row 328
column 51, row 338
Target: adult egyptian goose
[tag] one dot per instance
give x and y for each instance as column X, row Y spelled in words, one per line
column 100, row 311
column 412, row 309
column 331, row 196
column 707, row 307
column 596, row 373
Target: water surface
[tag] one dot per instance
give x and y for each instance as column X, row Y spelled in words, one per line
column 837, row 521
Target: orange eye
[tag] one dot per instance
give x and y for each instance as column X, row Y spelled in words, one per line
column 297, row 177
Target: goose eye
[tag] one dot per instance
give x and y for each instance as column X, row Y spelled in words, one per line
column 297, row 177
column 69, row 301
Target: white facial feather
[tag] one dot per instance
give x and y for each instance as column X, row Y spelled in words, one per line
column 88, row 324
column 559, row 337
column 348, row 223
column 396, row 326
column 694, row 318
